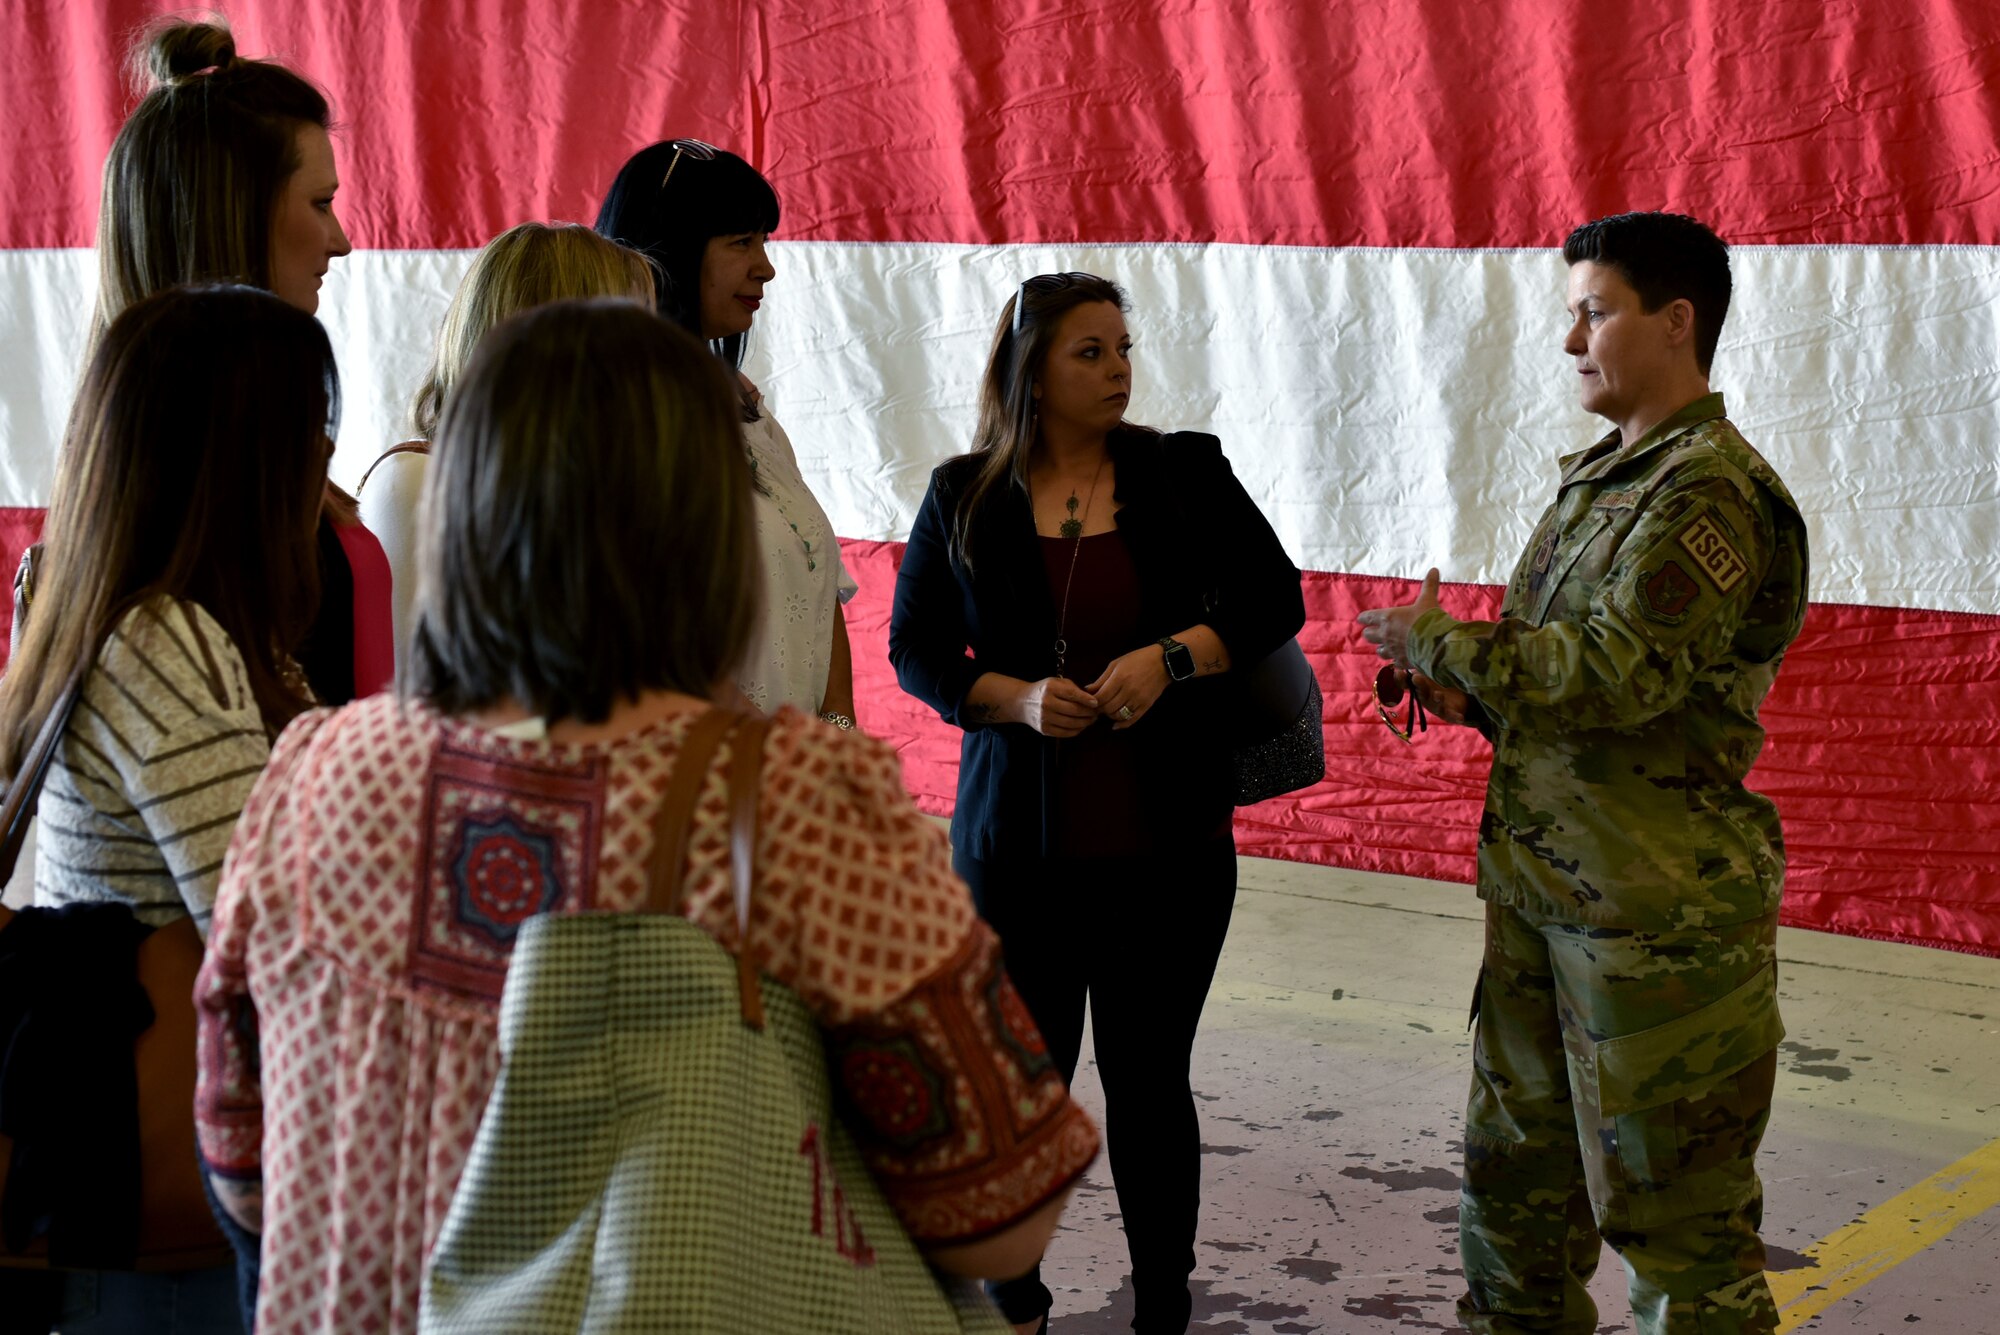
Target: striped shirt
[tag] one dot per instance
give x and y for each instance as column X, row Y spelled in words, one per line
column 153, row 770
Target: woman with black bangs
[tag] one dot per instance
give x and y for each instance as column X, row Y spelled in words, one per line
column 702, row 215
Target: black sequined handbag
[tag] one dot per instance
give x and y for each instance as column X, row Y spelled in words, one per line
column 1277, row 744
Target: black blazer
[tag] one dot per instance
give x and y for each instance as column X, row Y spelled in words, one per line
column 1204, row 554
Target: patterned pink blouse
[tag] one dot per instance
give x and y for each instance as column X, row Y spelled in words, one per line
column 349, row 1002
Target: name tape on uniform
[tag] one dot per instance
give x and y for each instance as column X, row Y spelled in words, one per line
column 1712, row 551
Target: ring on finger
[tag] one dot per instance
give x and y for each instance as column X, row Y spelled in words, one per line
column 1125, row 713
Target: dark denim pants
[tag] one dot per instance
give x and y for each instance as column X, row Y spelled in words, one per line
column 1136, row 940
column 249, row 1254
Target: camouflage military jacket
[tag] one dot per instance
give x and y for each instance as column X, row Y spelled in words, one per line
column 1640, row 632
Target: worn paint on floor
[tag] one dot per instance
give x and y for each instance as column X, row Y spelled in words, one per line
column 1902, row 1227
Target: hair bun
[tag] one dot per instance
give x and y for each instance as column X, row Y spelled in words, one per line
column 178, row 48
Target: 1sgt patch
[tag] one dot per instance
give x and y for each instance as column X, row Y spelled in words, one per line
column 1667, row 593
column 1713, row 553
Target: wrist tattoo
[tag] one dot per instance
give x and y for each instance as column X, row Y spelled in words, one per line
column 1212, row 665
column 986, row 713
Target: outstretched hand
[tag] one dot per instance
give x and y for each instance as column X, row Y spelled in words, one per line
column 1388, row 628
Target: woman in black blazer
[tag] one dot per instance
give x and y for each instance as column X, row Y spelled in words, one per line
column 1105, row 578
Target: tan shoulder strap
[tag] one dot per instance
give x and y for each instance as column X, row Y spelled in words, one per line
column 670, row 827
column 746, row 767
column 667, row 874
column 407, row 447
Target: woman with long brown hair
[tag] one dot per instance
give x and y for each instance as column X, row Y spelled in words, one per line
column 224, row 172
column 1104, row 578
column 180, row 539
column 180, row 576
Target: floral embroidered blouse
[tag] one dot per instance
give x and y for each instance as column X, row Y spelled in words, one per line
column 349, row 1003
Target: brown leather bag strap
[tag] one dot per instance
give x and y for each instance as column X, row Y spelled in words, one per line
column 407, row 447
column 670, row 827
column 746, row 768
column 19, row 811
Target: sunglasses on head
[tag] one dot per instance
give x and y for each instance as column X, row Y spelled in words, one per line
column 693, row 148
column 1043, row 285
column 1391, row 685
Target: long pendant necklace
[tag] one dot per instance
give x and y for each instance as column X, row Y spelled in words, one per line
column 1071, row 528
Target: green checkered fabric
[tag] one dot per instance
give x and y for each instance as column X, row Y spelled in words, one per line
column 649, row 1162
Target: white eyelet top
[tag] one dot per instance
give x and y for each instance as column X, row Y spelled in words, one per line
column 791, row 652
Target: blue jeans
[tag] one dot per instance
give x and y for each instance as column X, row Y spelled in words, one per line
column 123, row 1302
column 248, row 1247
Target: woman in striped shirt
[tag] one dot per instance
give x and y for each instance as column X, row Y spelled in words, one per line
column 178, row 576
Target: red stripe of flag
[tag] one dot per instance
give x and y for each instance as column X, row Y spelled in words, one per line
column 1410, row 123
column 1884, row 758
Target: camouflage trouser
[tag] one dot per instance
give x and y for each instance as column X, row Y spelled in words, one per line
column 1621, row 1083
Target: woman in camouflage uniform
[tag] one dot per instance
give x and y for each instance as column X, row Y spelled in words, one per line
column 1627, row 999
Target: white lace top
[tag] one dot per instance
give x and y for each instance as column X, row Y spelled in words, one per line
column 792, row 651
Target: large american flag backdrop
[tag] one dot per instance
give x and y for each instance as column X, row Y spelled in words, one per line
column 1337, row 224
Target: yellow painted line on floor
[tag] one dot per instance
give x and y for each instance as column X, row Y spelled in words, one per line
column 1887, row 1236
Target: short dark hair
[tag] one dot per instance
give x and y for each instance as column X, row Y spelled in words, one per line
column 1664, row 256
column 671, row 222
column 192, row 468
column 587, row 532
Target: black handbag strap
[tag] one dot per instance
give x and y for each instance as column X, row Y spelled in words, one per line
column 1267, row 694
column 19, row 810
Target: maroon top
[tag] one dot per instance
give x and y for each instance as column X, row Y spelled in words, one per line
column 1096, row 797
column 374, row 642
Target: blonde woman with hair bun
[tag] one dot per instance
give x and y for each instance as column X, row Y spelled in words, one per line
column 526, row 266
column 225, row 173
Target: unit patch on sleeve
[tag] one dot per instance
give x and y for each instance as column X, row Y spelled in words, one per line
column 1666, row 593
column 1545, row 551
column 1713, row 553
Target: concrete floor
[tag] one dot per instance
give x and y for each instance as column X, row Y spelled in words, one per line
column 1332, row 1069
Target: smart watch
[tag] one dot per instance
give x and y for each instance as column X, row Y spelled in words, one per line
column 1180, row 658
